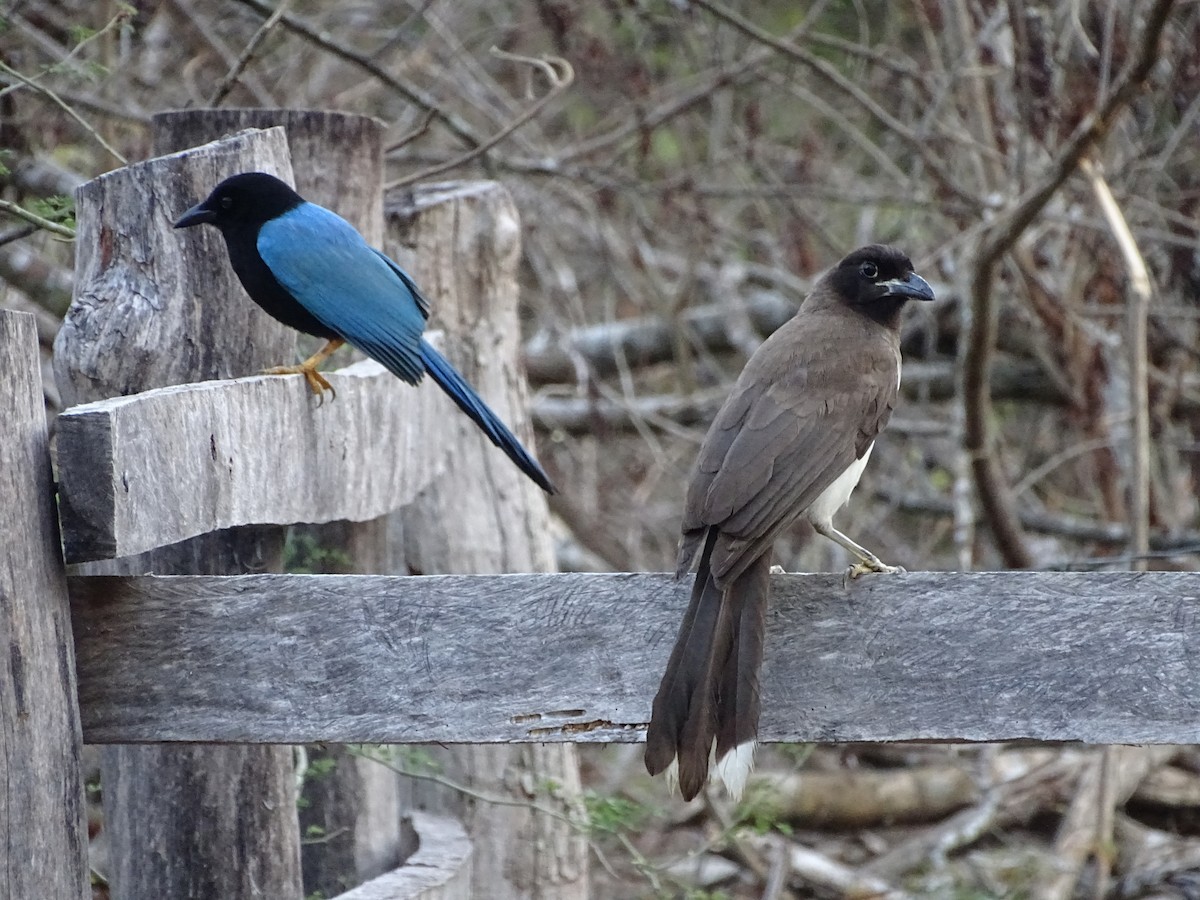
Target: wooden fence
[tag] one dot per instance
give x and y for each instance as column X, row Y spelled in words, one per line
column 250, row 661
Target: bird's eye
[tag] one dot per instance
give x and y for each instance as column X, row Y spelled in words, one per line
column 869, row 270
column 226, row 203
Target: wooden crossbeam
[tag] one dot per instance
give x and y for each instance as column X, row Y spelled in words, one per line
column 1100, row 658
column 151, row 469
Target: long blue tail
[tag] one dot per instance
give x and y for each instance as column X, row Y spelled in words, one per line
column 472, row 404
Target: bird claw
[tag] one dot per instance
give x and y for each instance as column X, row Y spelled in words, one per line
column 317, row 383
column 778, row 570
column 863, row 567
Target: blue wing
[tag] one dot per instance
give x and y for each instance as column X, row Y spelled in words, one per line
column 350, row 287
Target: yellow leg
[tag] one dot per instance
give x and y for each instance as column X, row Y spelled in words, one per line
column 317, row 382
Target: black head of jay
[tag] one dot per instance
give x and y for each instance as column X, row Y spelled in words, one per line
column 310, row 269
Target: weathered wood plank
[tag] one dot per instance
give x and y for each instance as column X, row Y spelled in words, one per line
column 462, row 239
column 43, row 836
column 148, row 470
column 151, row 310
column 1103, row 658
column 440, row 869
column 337, row 160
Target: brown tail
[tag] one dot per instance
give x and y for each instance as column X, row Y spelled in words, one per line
column 707, row 704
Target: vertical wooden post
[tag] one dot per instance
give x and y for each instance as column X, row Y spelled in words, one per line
column 351, row 803
column 154, row 308
column 461, row 241
column 43, row 835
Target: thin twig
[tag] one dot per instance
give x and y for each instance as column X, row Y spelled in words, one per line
column 405, row 139
column 1137, row 311
column 457, row 787
column 835, row 77
column 17, row 234
column 235, row 72
column 124, row 13
column 556, row 69
column 224, row 53
column 65, row 107
column 979, row 438
column 417, row 97
column 1076, row 834
column 21, row 212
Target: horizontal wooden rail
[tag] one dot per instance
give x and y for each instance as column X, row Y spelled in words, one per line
column 1101, row 658
column 151, row 469
column 440, row 869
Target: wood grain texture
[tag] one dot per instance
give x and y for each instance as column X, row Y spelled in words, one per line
column 43, row 836
column 336, row 156
column 1100, row 658
column 337, row 160
column 154, row 308
column 148, row 470
column 440, row 869
column 462, row 242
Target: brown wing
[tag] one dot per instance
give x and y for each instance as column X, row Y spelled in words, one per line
column 809, row 402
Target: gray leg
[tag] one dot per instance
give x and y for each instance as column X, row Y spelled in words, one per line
column 867, row 561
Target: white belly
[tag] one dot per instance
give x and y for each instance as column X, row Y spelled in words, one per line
column 835, row 496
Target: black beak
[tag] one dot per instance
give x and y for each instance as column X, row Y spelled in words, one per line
column 913, row 287
column 197, row 215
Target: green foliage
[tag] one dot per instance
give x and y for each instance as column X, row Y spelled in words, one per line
column 58, row 208
column 611, row 814
column 665, row 148
column 416, row 759
column 408, row 759
column 304, row 555
column 796, row 754
column 92, row 789
column 80, row 33
column 320, row 767
column 760, row 811
column 317, row 766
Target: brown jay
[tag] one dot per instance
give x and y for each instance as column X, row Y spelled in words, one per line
column 792, row 440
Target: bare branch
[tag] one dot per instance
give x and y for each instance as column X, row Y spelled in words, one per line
column 20, row 212
column 1137, row 310
column 225, row 85
column 65, row 107
column 979, row 439
column 457, row 125
column 560, row 75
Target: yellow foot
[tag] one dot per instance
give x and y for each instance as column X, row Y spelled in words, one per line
column 317, row 382
column 863, row 567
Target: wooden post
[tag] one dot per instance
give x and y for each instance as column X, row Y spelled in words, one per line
column 43, row 835
column 462, row 243
column 351, row 803
column 154, row 308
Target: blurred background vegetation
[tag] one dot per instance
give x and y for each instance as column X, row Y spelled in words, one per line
column 681, row 179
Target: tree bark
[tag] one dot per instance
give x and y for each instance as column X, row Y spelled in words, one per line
column 151, row 309
column 461, row 241
column 43, row 835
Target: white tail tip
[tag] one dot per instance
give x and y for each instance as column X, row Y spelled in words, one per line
column 733, row 769
column 672, row 775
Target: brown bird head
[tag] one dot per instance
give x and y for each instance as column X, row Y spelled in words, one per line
column 877, row 280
